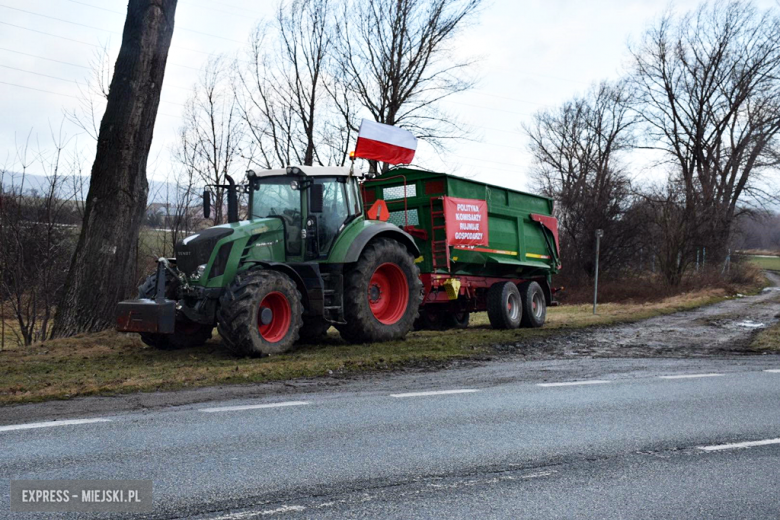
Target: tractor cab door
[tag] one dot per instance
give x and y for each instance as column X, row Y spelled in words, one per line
column 329, row 210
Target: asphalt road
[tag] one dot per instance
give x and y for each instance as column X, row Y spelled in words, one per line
column 629, row 444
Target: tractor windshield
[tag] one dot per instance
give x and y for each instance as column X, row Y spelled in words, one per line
column 275, row 197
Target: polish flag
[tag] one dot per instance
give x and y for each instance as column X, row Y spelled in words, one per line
column 385, row 143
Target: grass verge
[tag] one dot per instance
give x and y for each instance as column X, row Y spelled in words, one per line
column 767, row 339
column 111, row 363
column 771, row 263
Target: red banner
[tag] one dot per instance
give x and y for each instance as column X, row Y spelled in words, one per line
column 466, row 222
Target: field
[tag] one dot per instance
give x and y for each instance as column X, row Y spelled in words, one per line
column 109, row 363
column 769, row 262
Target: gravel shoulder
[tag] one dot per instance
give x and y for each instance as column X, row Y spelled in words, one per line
column 725, row 328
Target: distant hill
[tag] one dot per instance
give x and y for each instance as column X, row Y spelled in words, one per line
column 70, row 185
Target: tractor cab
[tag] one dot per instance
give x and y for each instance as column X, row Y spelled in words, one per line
column 314, row 205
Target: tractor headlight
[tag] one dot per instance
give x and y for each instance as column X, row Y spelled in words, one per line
column 198, row 272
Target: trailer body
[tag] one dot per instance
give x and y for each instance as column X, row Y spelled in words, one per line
column 521, row 241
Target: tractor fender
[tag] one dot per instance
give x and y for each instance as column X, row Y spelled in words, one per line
column 380, row 230
column 289, row 271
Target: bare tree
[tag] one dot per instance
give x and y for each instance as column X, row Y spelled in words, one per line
column 37, row 246
column 102, row 270
column 212, row 132
column 93, row 94
column 281, row 91
column 708, row 91
column 576, row 150
column 394, row 57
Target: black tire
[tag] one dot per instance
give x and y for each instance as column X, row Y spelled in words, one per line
column 430, row 320
column 383, row 263
column 504, row 306
column 313, row 330
column 456, row 320
column 239, row 317
column 187, row 333
column 534, row 304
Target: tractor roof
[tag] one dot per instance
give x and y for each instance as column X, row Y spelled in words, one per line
column 311, row 171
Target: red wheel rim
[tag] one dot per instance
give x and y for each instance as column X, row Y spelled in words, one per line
column 388, row 293
column 277, row 328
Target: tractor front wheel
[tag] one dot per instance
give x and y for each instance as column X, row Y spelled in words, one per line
column 260, row 314
column 186, row 333
column 382, row 294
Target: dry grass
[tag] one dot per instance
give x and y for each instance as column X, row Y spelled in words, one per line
column 768, row 339
column 108, row 362
column 647, row 287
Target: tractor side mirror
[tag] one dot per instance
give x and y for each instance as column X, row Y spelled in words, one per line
column 206, row 204
column 316, row 198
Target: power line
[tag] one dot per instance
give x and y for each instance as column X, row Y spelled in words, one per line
column 488, row 108
column 39, row 90
column 49, row 34
column 96, row 7
column 57, row 19
column 79, row 41
column 207, row 8
column 37, row 73
column 43, row 58
column 109, row 30
column 60, row 93
column 481, row 92
column 236, row 7
column 72, row 65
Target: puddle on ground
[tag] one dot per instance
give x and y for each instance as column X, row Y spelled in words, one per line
column 750, row 324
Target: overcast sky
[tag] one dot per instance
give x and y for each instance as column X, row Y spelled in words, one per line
column 532, row 54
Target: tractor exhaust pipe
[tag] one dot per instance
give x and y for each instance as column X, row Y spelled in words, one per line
column 232, row 200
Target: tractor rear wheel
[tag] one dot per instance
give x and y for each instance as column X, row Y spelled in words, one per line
column 260, row 314
column 534, row 304
column 504, row 306
column 382, row 294
column 187, row 333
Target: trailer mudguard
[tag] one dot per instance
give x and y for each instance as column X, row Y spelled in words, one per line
column 380, row 229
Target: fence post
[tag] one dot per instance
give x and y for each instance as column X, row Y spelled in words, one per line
column 599, row 234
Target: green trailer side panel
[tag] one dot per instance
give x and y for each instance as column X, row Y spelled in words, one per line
column 517, row 245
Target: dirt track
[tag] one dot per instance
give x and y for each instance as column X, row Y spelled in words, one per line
column 726, row 328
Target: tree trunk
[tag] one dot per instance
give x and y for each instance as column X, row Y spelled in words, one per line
column 103, row 268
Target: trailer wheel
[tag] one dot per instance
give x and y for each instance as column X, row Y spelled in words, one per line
column 382, row 294
column 441, row 320
column 260, row 314
column 534, row 305
column 504, row 306
column 429, row 320
column 457, row 320
column 186, row 333
column 313, row 329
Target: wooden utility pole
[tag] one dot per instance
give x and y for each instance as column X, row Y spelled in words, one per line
column 103, row 268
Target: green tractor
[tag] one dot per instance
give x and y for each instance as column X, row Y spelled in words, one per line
column 306, row 259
